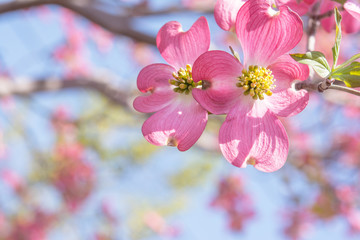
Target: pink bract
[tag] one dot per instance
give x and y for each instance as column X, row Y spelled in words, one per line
column 252, row 132
column 225, row 11
column 353, row 9
column 309, row 1
column 266, row 33
column 179, row 120
column 179, row 48
column 300, row 7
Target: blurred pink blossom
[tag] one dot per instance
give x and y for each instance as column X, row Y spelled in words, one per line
column 73, row 52
column 349, row 145
column 108, row 212
column 158, row 224
column 347, row 197
column 232, row 198
column 74, row 177
column 298, row 222
column 75, row 180
column 103, row 39
column 142, row 53
column 349, row 23
column 12, row 179
column 32, row 227
column 198, row 4
column 353, row 218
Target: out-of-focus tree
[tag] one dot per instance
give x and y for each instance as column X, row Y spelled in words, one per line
column 74, row 164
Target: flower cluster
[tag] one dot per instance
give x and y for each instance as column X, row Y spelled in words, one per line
column 253, row 93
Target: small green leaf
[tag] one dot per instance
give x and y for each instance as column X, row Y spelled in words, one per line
column 350, row 75
column 353, row 58
column 336, row 48
column 316, row 60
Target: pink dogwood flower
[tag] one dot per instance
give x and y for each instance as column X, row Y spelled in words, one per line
column 179, row 120
column 256, row 93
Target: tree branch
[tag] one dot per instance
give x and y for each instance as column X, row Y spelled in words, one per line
column 327, row 84
column 116, row 24
column 24, row 88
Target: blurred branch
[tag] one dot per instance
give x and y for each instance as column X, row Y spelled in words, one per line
column 26, row 88
column 117, row 24
column 326, row 14
column 177, row 9
column 313, row 24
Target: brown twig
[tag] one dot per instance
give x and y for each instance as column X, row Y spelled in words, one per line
column 322, row 86
column 345, row 89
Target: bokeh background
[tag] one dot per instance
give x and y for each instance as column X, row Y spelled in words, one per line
column 74, row 164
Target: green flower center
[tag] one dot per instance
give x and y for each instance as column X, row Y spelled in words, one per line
column 256, row 82
column 183, row 81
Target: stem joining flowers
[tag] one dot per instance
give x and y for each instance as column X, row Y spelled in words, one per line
column 183, row 80
column 256, row 82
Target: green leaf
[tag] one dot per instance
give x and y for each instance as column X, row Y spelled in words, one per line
column 316, row 60
column 336, row 48
column 350, row 75
column 353, row 58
